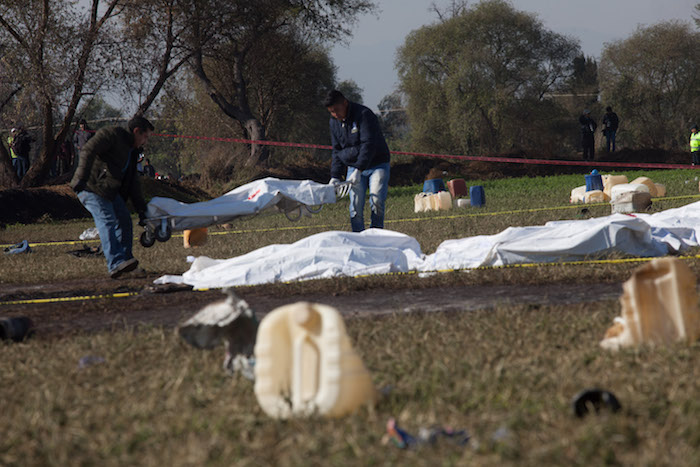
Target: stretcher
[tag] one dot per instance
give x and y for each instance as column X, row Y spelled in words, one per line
column 293, row 198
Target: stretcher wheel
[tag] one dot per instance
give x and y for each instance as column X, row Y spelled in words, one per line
column 314, row 209
column 293, row 215
column 147, row 239
column 163, row 233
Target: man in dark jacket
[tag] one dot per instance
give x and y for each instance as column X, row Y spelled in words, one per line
column 362, row 155
column 81, row 136
column 610, row 124
column 22, row 146
column 104, row 180
column 588, row 127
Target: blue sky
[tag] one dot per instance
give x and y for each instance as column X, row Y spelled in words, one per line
column 368, row 57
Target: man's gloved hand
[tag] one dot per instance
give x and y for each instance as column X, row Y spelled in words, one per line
column 142, row 219
column 334, row 181
column 79, row 186
column 354, row 177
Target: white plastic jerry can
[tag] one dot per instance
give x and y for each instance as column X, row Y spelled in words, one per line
column 305, row 364
column 660, row 190
column 609, row 181
column 649, row 184
column 577, row 194
column 659, row 305
column 622, row 188
column 421, row 202
column 594, row 196
column 444, row 200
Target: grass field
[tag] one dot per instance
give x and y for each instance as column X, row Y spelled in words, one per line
column 509, row 202
column 509, row 370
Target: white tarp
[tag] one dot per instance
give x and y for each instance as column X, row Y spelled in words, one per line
column 324, row 255
column 245, row 200
column 332, row 254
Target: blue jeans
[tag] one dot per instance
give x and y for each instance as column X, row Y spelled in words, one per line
column 21, row 165
column 377, row 180
column 113, row 222
column 610, row 137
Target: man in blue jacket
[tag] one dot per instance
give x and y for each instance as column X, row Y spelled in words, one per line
column 362, row 155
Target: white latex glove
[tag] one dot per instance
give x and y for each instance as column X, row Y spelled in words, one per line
column 354, row 177
column 334, row 181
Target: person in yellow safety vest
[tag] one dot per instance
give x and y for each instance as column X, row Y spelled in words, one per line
column 10, row 141
column 695, row 144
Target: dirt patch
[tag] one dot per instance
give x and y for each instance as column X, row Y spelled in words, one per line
column 59, row 202
column 32, row 204
column 167, row 309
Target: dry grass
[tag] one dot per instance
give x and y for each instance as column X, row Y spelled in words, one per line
column 156, row 401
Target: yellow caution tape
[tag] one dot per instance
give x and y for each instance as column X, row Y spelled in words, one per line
column 392, row 221
column 69, row 299
column 505, row 266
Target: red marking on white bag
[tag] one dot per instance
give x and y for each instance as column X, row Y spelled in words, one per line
column 254, row 194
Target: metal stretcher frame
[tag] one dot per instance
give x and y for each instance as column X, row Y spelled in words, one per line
column 161, row 228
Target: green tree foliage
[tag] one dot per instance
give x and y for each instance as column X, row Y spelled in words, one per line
column 351, row 90
column 393, row 120
column 585, row 76
column 99, row 113
column 153, row 47
column 287, row 81
column 477, row 81
column 288, row 77
column 57, row 52
column 54, row 49
column 651, row 79
column 231, row 29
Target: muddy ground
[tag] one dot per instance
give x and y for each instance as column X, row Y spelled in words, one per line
column 169, row 305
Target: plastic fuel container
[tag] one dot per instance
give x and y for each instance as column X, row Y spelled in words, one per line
column 457, row 187
column 649, row 184
column 434, row 185
column 609, row 181
column 577, row 194
column 631, row 202
column 305, row 364
column 421, row 202
column 594, row 196
column 441, row 201
column 594, row 181
column 659, row 305
column 461, row 203
column 195, row 237
column 622, row 188
column 477, row 196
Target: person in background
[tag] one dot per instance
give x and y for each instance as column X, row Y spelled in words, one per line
column 104, row 180
column 81, row 136
column 362, row 155
column 21, row 145
column 695, row 145
column 588, row 127
column 65, row 157
column 610, row 124
column 13, row 156
column 148, row 170
column 139, row 164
